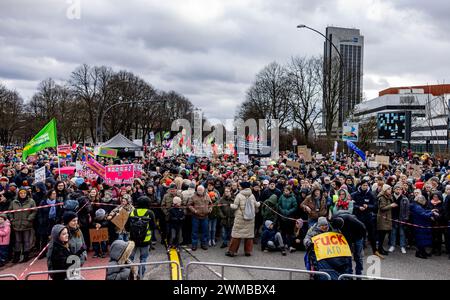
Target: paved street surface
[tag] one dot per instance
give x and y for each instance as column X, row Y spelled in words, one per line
column 395, row 265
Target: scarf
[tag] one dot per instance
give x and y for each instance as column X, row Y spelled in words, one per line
column 342, row 204
column 52, row 212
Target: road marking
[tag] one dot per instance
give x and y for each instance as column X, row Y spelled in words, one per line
column 173, row 256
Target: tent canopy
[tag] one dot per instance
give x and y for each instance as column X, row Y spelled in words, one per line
column 120, row 142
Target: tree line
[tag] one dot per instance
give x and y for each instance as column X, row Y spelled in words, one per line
column 128, row 104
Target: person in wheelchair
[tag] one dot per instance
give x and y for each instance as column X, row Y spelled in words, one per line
column 334, row 266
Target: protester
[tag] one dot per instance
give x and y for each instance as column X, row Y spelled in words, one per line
column 76, row 239
column 59, row 252
column 384, row 219
column 271, row 239
column 226, row 215
column 120, row 253
column 5, row 231
column 245, row 206
column 400, row 213
column 200, row 207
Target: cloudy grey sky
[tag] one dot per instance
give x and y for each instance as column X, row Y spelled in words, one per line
column 210, row 50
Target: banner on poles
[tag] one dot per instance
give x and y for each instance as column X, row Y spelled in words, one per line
column 96, row 167
column 64, row 150
column 330, row 244
column 350, row 132
column 39, row 175
column 119, row 174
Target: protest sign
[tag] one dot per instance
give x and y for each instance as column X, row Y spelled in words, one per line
column 119, row 174
column 96, row 167
column 382, row 160
column 329, row 245
column 120, row 219
column 137, row 170
column 372, row 164
column 243, row 159
column 350, row 131
column 98, row 235
column 292, row 164
column 39, row 175
column 107, row 152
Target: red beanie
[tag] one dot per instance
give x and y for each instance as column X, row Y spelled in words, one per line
column 419, row 185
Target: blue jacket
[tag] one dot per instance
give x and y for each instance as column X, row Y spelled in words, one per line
column 266, row 236
column 360, row 199
column 422, row 217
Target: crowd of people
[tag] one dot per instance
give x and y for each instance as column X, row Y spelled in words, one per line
column 217, row 202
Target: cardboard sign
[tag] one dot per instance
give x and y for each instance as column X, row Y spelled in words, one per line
column 121, row 218
column 329, row 245
column 304, row 153
column 416, row 170
column 382, row 160
column 99, row 235
column 39, row 175
column 119, row 174
column 372, row 164
column 293, row 164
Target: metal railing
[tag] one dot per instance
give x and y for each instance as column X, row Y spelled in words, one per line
column 343, row 276
column 14, row 277
column 223, row 266
column 78, row 270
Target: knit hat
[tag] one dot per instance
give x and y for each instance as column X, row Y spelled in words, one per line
column 100, row 214
column 83, row 187
column 266, row 181
column 3, row 178
column 245, row 184
column 268, row 223
column 419, row 185
column 127, row 197
column 176, row 201
column 192, row 185
column 69, row 216
column 398, row 186
column 322, row 221
column 385, row 187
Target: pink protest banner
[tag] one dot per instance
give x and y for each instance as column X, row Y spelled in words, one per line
column 119, row 174
column 96, row 167
column 67, row 170
column 64, row 149
column 85, row 172
column 137, row 170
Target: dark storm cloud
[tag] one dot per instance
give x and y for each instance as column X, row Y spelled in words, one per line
column 211, row 50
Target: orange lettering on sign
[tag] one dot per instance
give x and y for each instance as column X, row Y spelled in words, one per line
column 326, row 242
column 341, row 241
column 333, row 240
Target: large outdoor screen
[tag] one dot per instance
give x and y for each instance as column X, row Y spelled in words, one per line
column 392, row 126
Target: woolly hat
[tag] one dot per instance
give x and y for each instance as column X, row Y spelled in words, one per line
column 385, row 187
column 83, row 187
column 69, row 216
column 419, row 185
column 176, row 201
column 268, row 223
column 211, row 195
column 398, row 186
column 322, row 221
column 245, row 184
column 100, row 214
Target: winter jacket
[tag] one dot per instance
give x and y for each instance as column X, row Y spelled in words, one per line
column 45, row 223
column 176, row 215
column 267, row 192
column 287, row 205
column 120, row 251
column 166, row 204
column 402, row 211
column 266, row 236
column 384, row 217
column 22, row 221
column 360, row 198
column 353, row 229
column 200, row 206
column 226, row 214
column 422, row 217
column 57, row 254
column 312, row 232
column 315, row 212
column 185, row 197
column 84, row 214
column 5, row 233
column 338, row 210
column 77, row 244
column 268, row 213
column 243, row 229
column 214, row 214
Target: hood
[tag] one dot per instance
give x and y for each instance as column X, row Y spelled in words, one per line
column 41, row 186
column 246, row 192
column 120, row 251
column 268, row 223
column 56, row 231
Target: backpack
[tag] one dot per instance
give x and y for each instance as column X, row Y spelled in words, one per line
column 249, row 210
column 139, row 227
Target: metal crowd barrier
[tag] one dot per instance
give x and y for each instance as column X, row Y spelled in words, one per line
column 78, row 270
column 14, row 277
column 223, row 266
column 344, row 276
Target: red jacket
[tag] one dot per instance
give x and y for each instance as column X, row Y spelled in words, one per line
column 5, row 230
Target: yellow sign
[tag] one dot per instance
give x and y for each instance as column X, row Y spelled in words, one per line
column 329, row 245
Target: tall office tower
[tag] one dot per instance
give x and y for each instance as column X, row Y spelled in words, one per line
column 350, row 84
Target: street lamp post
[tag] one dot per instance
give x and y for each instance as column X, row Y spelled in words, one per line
column 115, row 104
column 342, row 68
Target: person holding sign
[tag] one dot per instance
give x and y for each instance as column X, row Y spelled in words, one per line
column 100, row 221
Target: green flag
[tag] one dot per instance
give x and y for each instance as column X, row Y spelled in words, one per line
column 46, row 138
